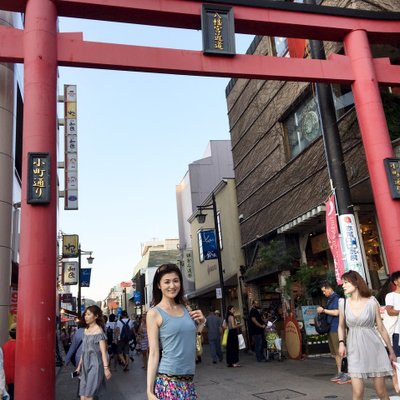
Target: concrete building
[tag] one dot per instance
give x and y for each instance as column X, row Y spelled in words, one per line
column 11, row 110
column 206, row 270
column 200, row 179
column 154, row 254
column 280, row 167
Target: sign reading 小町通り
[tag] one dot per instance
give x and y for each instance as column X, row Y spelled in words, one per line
column 188, row 265
column 70, row 246
column 70, row 272
column 351, row 244
column 392, row 166
column 218, row 28
column 70, row 148
column 38, row 178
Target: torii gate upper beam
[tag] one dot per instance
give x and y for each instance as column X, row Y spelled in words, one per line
column 319, row 22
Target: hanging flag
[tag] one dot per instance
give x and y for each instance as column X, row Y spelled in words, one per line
column 332, row 233
column 209, row 244
column 296, row 47
column 351, row 244
column 85, row 277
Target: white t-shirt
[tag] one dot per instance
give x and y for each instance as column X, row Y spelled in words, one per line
column 393, row 299
column 120, row 325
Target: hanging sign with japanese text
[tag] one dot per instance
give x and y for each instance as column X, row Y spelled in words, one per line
column 38, row 178
column 392, row 166
column 218, row 28
column 85, row 277
column 208, row 244
column 70, row 247
column 70, row 148
column 70, row 273
column 351, row 244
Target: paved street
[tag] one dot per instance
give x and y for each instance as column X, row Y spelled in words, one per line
column 308, row 380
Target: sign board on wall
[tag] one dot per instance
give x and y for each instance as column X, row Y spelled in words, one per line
column 188, row 265
column 70, row 148
column 38, row 178
column 70, row 272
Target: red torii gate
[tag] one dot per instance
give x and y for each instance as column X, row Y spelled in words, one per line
column 41, row 48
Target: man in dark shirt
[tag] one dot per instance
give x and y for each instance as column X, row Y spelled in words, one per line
column 214, row 331
column 256, row 327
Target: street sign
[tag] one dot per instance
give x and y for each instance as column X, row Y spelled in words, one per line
column 218, row 293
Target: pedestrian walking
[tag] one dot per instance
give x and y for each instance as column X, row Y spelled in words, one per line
column 214, row 332
column 256, row 327
column 93, row 366
column 172, row 325
column 124, row 333
column 75, row 350
column 143, row 340
column 232, row 346
column 366, row 354
column 331, row 310
column 112, row 346
column 3, row 392
column 392, row 302
column 9, row 359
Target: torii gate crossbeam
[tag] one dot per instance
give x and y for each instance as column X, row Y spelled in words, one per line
column 41, row 48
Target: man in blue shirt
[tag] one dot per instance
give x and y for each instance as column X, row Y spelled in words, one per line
column 332, row 311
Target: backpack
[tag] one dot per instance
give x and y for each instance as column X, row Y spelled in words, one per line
column 126, row 332
column 110, row 335
column 321, row 324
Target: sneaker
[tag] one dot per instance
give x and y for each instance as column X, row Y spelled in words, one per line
column 337, row 377
column 344, row 379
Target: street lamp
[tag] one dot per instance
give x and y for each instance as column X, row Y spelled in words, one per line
column 90, row 261
column 201, row 218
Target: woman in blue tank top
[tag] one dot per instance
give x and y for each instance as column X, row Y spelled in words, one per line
column 174, row 327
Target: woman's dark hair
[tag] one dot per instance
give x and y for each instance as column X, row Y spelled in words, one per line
column 228, row 313
column 96, row 311
column 358, row 281
column 161, row 271
column 111, row 318
column 395, row 276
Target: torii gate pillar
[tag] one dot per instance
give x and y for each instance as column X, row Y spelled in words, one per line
column 376, row 140
column 35, row 375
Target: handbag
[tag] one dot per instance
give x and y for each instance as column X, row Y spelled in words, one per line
column 199, row 345
column 225, row 338
column 242, row 343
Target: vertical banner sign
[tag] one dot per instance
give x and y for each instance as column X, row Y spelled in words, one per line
column 332, row 234
column 70, row 246
column 351, row 244
column 38, row 178
column 70, row 273
column 70, row 148
column 392, row 166
column 188, row 265
column 209, row 244
column 85, row 277
column 218, row 28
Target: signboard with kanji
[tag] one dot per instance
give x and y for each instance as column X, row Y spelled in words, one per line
column 70, row 246
column 38, row 178
column 218, row 28
column 392, row 166
column 70, row 273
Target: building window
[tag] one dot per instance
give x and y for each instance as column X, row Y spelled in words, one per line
column 303, row 126
column 281, row 46
column 342, row 98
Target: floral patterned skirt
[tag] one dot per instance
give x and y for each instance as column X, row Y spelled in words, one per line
column 174, row 387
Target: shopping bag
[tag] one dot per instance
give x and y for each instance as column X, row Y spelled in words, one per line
column 242, row 343
column 199, row 345
column 225, row 338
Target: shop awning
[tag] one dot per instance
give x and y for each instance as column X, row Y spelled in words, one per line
column 308, row 220
column 209, row 290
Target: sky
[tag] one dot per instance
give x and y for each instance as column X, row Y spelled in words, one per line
column 137, row 134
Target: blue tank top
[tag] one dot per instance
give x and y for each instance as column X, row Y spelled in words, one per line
column 178, row 343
